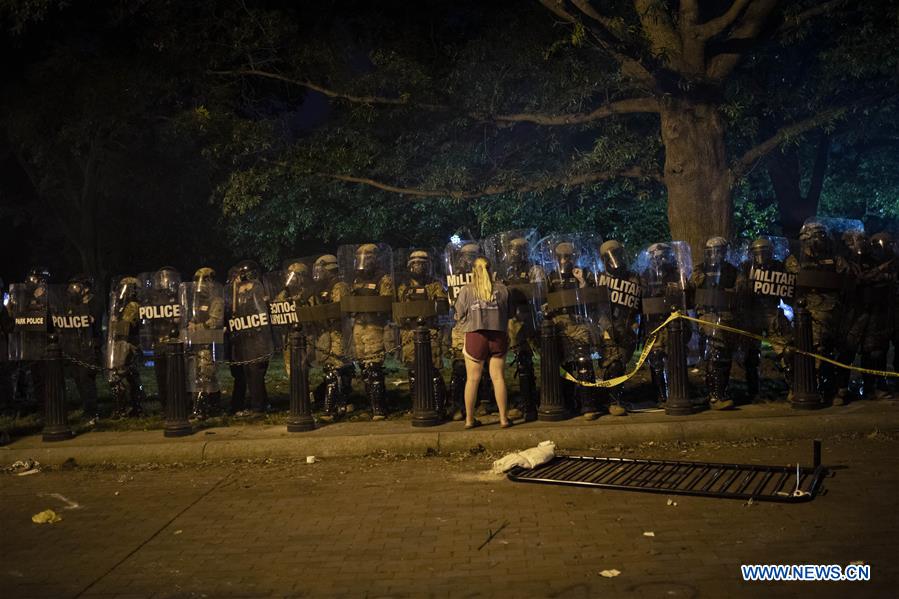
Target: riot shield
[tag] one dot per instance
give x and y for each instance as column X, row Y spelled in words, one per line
column 368, row 271
column 287, row 289
column 419, row 295
column 160, row 308
column 5, row 324
column 320, row 318
column 248, row 321
column 515, row 258
column 123, row 324
column 29, row 309
column 72, row 314
column 202, row 331
column 767, row 282
column 821, row 266
column 664, row 270
column 458, row 257
column 573, row 300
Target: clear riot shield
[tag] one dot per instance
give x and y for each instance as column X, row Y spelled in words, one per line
column 419, row 294
column 320, row 317
column 624, row 288
column 123, row 324
column 515, row 258
column 29, row 309
column 458, row 257
column 73, row 316
column 367, row 269
column 767, row 281
column 5, row 323
column 822, row 267
column 202, row 331
column 287, row 289
column 573, row 300
column 247, row 320
column 664, row 270
column 160, row 308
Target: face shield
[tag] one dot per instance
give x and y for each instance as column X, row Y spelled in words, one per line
column 518, row 251
column 296, row 278
column 565, row 257
column 856, row 243
column 814, row 240
column 467, row 255
column 881, row 248
column 323, row 268
column 366, row 257
column 419, row 266
column 165, row 280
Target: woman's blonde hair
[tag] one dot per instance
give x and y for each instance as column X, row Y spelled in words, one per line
column 482, row 279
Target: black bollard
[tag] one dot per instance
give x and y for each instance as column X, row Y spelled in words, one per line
column 552, row 403
column 424, row 404
column 678, row 403
column 300, row 419
column 176, row 409
column 805, row 387
column 56, row 426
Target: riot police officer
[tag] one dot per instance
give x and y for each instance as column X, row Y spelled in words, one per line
column 76, row 319
column 420, row 295
column 619, row 338
column 203, row 313
column 123, row 353
column 326, row 328
column 665, row 286
column 161, row 314
column 369, row 307
column 763, row 283
column 295, row 290
column 510, row 253
column 568, row 270
column 714, row 282
column 250, row 334
column 822, row 277
column 30, row 313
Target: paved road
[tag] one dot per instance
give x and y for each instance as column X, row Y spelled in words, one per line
column 396, row 527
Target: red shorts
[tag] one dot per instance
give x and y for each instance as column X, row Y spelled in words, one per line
column 482, row 345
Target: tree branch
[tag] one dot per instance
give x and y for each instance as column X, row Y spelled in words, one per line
column 819, row 170
column 540, row 185
column 797, row 128
column 627, row 106
column 660, row 33
column 631, row 66
column 754, row 18
column 718, row 25
column 795, row 21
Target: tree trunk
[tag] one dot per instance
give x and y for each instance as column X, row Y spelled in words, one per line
column 697, row 174
column 786, row 175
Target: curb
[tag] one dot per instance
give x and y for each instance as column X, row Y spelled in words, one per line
column 568, row 437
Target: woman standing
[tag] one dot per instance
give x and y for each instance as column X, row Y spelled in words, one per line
column 482, row 311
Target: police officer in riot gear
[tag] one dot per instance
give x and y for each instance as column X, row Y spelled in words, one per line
column 250, row 335
column 578, row 334
column 123, row 348
column 369, row 279
column 762, row 284
column 822, row 277
column 161, row 311
column 714, row 282
column 329, row 337
column 417, row 288
column 204, row 313
column 619, row 339
column 29, row 307
column 78, row 326
column 297, row 288
column 870, row 321
column 664, row 287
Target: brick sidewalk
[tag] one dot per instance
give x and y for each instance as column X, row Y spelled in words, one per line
column 413, row 527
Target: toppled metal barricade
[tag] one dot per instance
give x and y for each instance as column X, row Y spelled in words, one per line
column 785, row 484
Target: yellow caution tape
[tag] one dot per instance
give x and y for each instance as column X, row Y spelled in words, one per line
column 614, row 382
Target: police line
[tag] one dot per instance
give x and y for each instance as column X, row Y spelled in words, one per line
column 618, row 380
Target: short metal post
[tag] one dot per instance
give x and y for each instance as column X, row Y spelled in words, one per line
column 300, row 419
column 552, row 403
column 805, row 387
column 424, row 404
column 176, row 409
column 678, row 403
column 56, row 426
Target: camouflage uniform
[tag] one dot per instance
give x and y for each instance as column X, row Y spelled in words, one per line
column 208, row 316
column 124, row 349
column 328, row 336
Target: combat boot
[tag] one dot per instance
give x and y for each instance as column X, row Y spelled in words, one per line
column 374, row 388
column 439, row 394
column 660, row 382
column 332, row 395
column 717, row 379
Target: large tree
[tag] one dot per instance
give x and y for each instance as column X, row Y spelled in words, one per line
column 475, row 103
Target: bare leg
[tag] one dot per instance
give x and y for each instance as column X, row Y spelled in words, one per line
column 498, row 376
column 473, row 371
